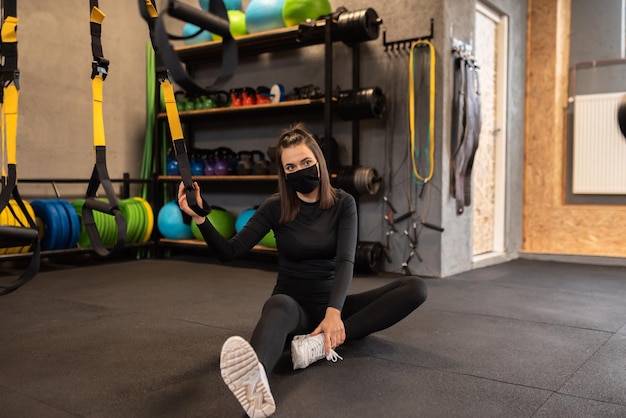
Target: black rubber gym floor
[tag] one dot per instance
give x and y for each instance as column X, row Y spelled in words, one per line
column 142, row 338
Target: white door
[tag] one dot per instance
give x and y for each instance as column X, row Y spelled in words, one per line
column 488, row 193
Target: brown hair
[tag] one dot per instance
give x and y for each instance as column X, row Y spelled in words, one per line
column 289, row 202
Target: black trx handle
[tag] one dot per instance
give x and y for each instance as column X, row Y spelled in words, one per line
column 26, row 235
column 169, row 67
column 99, row 175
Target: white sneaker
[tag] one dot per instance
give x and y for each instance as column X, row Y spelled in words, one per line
column 306, row 350
column 245, row 376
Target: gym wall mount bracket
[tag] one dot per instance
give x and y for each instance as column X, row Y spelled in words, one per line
column 405, row 44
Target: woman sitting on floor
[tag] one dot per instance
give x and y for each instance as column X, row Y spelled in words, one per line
column 316, row 230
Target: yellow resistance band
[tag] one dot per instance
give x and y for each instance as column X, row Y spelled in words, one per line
column 431, row 122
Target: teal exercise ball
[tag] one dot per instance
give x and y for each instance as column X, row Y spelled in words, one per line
column 230, row 5
column 264, row 15
column 297, row 11
column 170, row 222
column 222, row 220
column 189, row 29
column 243, row 219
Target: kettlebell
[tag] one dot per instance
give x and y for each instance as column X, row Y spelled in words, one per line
column 189, row 104
column 263, row 95
column 208, row 164
column 179, row 95
column 248, row 96
column 271, row 153
column 231, row 159
column 204, row 102
column 244, row 164
column 220, row 166
column 260, row 166
column 235, row 97
column 196, row 166
column 171, row 167
column 221, row 98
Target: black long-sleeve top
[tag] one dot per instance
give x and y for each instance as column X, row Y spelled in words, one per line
column 315, row 251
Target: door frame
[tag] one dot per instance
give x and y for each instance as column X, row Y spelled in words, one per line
column 500, row 137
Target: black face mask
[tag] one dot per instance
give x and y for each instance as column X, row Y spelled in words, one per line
column 305, row 180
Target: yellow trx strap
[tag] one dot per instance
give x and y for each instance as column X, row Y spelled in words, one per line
column 9, row 122
column 173, row 118
column 11, row 95
column 431, row 122
column 150, row 14
column 100, row 175
column 24, row 235
column 97, row 16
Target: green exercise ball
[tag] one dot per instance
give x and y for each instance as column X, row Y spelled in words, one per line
column 297, row 11
column 237, row 20
column 222, row 220
column 269, row 240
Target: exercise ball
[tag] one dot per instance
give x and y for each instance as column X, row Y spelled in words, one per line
column 263, row 15
column 170, row 222
column 297, row 11
column 230, row 5
column 243, row 219
column 237, row 20
column 222, row 220
column 189, row 29
column 269, row 240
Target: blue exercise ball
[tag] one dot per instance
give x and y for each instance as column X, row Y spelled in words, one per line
column 189, row 29
column 230, row 5
column 243, row 219
column 170, row 222
column 264, row 15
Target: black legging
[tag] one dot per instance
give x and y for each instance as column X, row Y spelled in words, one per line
column 363, row 314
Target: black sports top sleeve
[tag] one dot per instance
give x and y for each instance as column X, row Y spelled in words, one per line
column 316, row 250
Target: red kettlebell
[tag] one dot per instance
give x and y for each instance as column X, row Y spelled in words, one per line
column 248, row 96
column 263, row 95
column 236, row 97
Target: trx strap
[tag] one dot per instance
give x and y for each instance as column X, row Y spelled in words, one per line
column 26, row 235
column 168, row 67
column 431, row 111
column 100, row 175
column 465, row 130
column 216, row 21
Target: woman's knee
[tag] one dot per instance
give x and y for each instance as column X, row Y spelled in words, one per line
column 415, row 288
column 281, row 304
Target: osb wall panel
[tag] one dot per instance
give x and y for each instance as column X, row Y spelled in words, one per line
column 551, row 226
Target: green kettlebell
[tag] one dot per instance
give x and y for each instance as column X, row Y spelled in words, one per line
column 189, row 104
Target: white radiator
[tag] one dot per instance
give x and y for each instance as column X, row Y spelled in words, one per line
column 599, row 153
